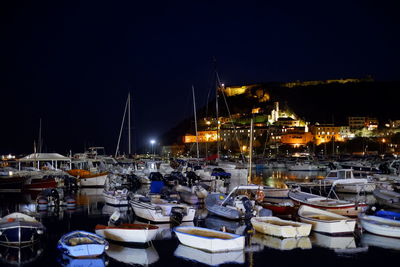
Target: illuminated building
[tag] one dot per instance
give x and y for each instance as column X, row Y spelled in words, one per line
column 297, row 139
column 363, row 122
column 326, row 133
column 202, row 136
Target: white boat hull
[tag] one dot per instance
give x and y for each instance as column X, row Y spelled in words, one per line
column 280, row 228
column 161, row 213
column 128, row 236
column 210, row 244
column 93, row 181
column 380, row 226
column 326, row 222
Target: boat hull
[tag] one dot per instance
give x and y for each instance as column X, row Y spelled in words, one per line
column 380, row 226
column 326, row 222
column 137, row 233
column 204, row 242
column 280, row 228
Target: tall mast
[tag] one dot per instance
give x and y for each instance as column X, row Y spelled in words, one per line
column 40, row 136
column 122, row 125
column 250, row 151
column 195, row 123
column 129, row 123
column 216, row 105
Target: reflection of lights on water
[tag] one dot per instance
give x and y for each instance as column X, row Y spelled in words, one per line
column 277, row 178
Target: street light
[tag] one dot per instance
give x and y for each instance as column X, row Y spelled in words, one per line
column 152, row 142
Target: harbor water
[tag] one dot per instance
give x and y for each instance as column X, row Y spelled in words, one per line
column 359, row 249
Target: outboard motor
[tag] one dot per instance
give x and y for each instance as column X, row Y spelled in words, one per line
column 192, row 178
column 177, row 214
column 248, row 206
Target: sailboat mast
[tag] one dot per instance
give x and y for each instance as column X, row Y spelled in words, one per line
column 122, row 125
column 40, row 136
column 250, row 151
column 195, row 123
column 216, row 110
column 129, row 123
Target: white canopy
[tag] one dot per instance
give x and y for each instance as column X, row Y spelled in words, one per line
column 34, row 157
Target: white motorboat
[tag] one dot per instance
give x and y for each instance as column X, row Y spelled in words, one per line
column 129, row 233
column 282, row 228
column 116, row 197
column 239, row 203
column 380, row 225
column 337, row 206
column 306, row 166
column 159, row 210
column 208, row 239
column 343, row 181
column 326, row 222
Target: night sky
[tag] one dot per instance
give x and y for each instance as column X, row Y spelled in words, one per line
column 72, row 63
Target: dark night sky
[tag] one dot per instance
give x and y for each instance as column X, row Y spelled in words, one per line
column 72, row 63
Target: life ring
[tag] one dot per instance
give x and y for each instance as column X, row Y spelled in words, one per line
column 260, row 195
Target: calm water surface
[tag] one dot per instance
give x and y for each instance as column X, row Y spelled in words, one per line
column 361, row 249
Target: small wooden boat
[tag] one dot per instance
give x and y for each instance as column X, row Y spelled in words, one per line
column 81, row 244
column 326, row 222
column 337, row 206
column 276, row 195
column 209, row 240
column 18, row 229
column 132, row 233
column 387, row 198
column 281, row 228
column 380, row 226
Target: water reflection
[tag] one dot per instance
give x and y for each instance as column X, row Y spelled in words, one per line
column 340, row 244
column 67, row 261
column 281, row 243
column 212, row 259
column 20, row 255
column 380, row 241
column 133, row 255
column 277, row 178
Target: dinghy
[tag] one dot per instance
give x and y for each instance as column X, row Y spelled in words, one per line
column 81, row 244
column 326, row 222
column 209, row 240
column 387, row 198
column 131, row 233
column 380, row 226
column 18, row 229
column 281, row 228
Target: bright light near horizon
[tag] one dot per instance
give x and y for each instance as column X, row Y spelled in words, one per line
column 152, row 141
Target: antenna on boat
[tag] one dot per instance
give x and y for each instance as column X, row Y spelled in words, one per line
column 217, row 84
column 195, row 123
